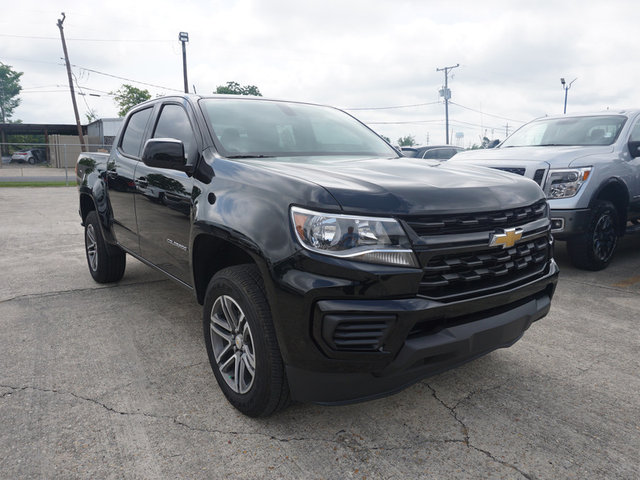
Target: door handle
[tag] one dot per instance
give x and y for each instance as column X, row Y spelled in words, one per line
column 142, row 182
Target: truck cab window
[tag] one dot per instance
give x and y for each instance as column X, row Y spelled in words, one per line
column 174, row 123
column 132, row 136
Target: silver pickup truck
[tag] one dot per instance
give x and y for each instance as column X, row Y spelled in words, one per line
column 589, row 168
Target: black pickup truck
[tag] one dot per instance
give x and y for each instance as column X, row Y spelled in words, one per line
column 330, row 268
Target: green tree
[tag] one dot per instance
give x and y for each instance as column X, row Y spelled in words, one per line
column 386, row 139
column 128, row 96
column 91, row 115
column 234, row 88
column 408, row 141
column 9, row 91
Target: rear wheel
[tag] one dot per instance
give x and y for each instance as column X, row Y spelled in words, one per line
column 106, row 262
column 593, row 249
column 241, row 342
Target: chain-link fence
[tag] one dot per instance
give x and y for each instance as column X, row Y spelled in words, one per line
column 53, row 154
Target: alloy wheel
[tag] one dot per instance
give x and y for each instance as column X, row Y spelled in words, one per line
column 232, row 344
column 604, row 238
column 92, row 248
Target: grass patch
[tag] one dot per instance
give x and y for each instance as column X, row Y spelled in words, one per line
column 37, row 184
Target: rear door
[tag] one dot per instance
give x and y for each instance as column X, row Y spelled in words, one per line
column 120, row 178
column 163, row 197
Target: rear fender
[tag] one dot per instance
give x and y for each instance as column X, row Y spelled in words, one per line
column 94, row 196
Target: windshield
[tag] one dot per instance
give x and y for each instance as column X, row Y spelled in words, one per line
column 246, row 128
column 593, row 130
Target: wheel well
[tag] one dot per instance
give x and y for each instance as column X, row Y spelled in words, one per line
column 86, row 205
column 617, row 194
column 210, row 255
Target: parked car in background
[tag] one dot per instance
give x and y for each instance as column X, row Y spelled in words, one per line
column 433, row 152
column 33, row 156
column 589, row 167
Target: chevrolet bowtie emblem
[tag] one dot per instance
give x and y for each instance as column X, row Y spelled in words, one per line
column 507, row 239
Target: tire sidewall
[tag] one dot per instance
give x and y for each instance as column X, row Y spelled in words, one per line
column 250, row 403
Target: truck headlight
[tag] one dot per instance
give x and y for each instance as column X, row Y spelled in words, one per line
column 364, row 239
column 565, row 183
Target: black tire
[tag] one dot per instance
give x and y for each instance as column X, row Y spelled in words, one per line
column 239, row 335
column 31, row 160
column 106, row 262
column 594, row 249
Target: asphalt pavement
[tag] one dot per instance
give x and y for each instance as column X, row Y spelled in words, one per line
column 113, row 382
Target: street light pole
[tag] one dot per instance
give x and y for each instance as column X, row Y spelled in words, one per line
column 446, row 93
column 184, row 38
column 566, row 86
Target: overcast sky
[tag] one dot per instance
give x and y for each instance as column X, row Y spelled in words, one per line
column 353, row 54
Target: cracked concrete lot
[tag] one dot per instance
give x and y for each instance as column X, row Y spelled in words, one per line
column 113, row 382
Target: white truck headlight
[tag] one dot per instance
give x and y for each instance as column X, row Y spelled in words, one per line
column 565, row 183
column 364, row 239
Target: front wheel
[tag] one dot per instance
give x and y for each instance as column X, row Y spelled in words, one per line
column 106, row 262
column 241, row 342
column 593, row 249
column 32, row 160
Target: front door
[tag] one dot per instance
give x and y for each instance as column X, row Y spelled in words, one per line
column 163, row 199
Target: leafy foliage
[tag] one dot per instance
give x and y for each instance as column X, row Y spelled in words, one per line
column 128, row 96
column 234, row 88
column 408, row 141
column 486, row 143
column 9, row 91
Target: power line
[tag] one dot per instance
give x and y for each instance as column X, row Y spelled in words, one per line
column 488, row 114
column 85, row 39
column 403, row 123
column 126, row 79
column 392, row 107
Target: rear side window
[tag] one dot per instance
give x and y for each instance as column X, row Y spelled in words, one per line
column 132, row 137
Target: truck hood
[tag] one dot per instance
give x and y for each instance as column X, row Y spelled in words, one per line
column 543, row 157
column 406, row 186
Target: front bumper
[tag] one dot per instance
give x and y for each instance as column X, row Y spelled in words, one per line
column 416, row 338
column 565, row 223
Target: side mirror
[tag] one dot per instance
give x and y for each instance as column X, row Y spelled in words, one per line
column 165, row 153
column 634, row 148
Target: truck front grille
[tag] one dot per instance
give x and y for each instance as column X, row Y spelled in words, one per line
column 451, row 276
column 476, row 222
column 517, row 171
column 538, row 176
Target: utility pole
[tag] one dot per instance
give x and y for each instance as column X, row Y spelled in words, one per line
column 73, row 95
column 184, row 38
column 566, row 88
column 446, row 93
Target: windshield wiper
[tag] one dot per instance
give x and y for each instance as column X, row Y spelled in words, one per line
column 552, row 145
column 250, row 156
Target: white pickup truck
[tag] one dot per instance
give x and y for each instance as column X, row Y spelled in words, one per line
column 589, row 168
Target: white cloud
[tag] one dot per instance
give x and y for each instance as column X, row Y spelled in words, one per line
column 348, row 53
